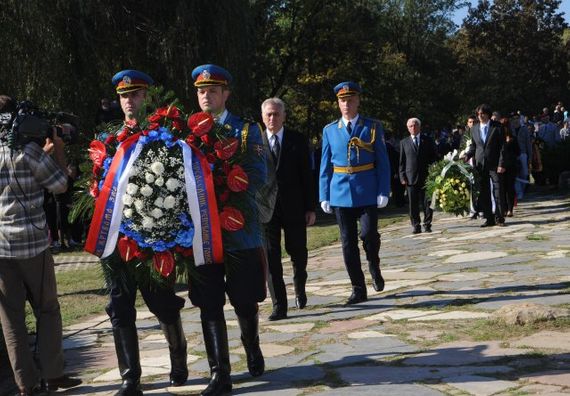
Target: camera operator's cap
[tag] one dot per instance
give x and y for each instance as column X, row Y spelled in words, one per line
column 206, row 75
column 131, row 80
column 346, row 89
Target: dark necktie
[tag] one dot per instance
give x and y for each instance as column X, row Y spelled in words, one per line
column 275, row 148
column 416, row 141
column 349, row 128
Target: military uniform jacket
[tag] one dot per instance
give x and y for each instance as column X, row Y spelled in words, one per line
column 248, row 134
column 365, row 148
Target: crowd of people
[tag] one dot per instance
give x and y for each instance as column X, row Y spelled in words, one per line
column 360, row 169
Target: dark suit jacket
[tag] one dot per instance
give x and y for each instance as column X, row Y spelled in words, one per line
column 488, row 154
column 414, row 162
column 295, row 187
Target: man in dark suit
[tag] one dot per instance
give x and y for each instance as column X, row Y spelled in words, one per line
column 294, row 206
column 487, row 141
column 416, row 154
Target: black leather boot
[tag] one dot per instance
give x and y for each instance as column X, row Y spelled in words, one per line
column 216, row 341
column 250, row 338
column 174, row 335
column 127, row 348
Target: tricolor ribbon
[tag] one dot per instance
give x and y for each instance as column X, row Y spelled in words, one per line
column 104, row 230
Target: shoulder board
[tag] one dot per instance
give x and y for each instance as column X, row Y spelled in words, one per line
column 332, row 123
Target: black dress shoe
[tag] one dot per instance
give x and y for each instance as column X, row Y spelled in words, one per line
column 378, row 283
column 277, row 315
column 301, row 301
column 474, row 216
column 488, row 224
column 35, row 391
column 417, row 230
column 63, row 382
column 427, row 228
column 356, row 298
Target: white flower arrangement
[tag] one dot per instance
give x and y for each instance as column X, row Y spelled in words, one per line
column 172, row 184
column 127, row 199
column 169, row 202
column 158, row 198
column 132, row 189
column 157, row 168
column 146, row 190
column 149, row 178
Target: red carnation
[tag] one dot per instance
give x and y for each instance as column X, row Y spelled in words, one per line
column 94, row 188
column 97, row 152
column 226, row 148
column 154, row 118
column 237, row 179
column 224, row 196
column 211, row 158
column 185, row 252
column 231, row 219
column 110, row 139
column 163, row 263
column 128, row 248
column 200, row 123
column 153, row 126
column 177, row 124
column 207, row 139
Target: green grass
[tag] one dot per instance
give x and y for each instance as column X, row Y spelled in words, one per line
column 536, row 237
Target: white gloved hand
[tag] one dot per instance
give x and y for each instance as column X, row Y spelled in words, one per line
column 382, row 201
column 326, row 207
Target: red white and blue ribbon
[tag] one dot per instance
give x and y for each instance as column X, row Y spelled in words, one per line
column 104, row 230
column 202, row 205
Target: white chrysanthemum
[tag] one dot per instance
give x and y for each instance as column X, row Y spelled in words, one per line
column 127, row 199
column 159, row 182
column 147, row 222
column 134, row 171
column 157, row 168
column 146, row 191
column 169, row 202
column 172, row 184
column 128, row 213
column 139, row 204
column 132, row 189
column 159, row 202
column 149, row 177
column 156, row 213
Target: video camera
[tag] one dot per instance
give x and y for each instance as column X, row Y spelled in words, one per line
column 29, row 123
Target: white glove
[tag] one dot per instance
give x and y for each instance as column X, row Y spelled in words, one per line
column 382, row 201
column 326, row 207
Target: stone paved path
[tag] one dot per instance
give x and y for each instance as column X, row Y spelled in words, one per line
column 404, row 340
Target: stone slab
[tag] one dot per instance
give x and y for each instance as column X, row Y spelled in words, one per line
column 400, row 314
column 478, row 385
column 545, row 340
column 453, row 315
column 559, row 378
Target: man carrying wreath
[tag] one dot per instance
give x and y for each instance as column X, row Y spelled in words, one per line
column 131, row 86
column 242, row 275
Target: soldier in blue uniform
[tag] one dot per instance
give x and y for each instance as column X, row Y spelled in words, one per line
column 131, row 86
column 243, row 274
column 354, row 182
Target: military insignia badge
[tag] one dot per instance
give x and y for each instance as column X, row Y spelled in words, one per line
column 259, row 150
column 127, row 80
column 206, row 75
column 345, row 88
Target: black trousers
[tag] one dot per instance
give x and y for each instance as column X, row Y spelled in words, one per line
column 242, row 277
column 161, row 301
column 347, row 219
column 296, row 246
column 508, row 189
column 489, row 178
column 417, row 194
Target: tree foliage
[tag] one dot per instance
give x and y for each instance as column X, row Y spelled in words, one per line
column 408, row 55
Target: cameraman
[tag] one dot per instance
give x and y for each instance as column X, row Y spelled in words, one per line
column 26, row 265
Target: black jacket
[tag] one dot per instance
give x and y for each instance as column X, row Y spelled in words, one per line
column 414, row 162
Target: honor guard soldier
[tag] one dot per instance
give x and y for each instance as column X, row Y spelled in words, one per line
column 131, row 86
column 354, row 182
column 242, row 276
